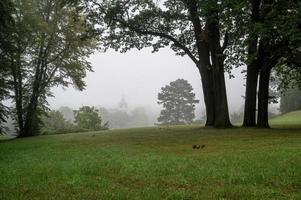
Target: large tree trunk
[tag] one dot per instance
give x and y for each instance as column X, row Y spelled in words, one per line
column 263, row 97
column 18, row 91
column 213, row 79
column 252, row 69
column 251, row 94
column 221, row 110
column 204, row 62
column 206, row 76
column 220, row 96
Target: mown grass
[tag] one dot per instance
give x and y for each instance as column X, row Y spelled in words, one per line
column 154, row 163
column 288, row 120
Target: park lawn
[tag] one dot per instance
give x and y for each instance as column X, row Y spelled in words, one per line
column 288, row 120
column 154, row 163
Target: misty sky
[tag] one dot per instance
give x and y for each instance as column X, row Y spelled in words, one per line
column 138, row 77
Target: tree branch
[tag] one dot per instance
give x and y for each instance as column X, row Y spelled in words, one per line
column 226, row 41
column 159, row 34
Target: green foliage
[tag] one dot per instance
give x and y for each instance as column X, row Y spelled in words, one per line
column 154, row 163
column 178, row 101
column 280, row 31
column 67, row 113
column 290, row 100
column 88, row 118
column 121, row 118
column 51, row 49
column 54, row 122
column 124, row 25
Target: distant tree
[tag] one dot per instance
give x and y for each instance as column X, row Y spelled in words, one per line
column 290, row 100
column 88, row 118
column 178, row 101
column 138, row 117
column 118, row 118
column 54, row 122
column 67, row 113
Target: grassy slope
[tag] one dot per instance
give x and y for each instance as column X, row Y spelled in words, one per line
column 291, row 119
column 154, row 163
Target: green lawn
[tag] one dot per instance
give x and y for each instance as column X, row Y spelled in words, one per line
column 288, row 120
column 154, row 163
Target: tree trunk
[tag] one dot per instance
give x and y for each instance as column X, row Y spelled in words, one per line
column 222, row 119
column 263, row 97
column 251, row 94
column 207, row 86
column 204, row 62
column 221, row 111
column 252, row 69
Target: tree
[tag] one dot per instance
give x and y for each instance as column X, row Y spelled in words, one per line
column 54, row 122
column 189, row 27
column 51, row 49
column 67, row 113
column 88, row 118
column 6, row 26
column 273, row 41
column 178, row 101
column 290, row 100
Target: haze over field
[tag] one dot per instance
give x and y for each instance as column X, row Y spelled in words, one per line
column 138, row 76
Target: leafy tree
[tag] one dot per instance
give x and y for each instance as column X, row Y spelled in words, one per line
column 88, row 118
column 117, row 118
column 290, row 100
column 51, row 49
column 178, row 101
column 67, row 113
column 54, row 122
column 201, row 30
column 274, row 39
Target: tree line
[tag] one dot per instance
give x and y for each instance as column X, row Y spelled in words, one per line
column 46, row 43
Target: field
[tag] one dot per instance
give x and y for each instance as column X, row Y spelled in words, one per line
column 154, row 163
column 288, row 120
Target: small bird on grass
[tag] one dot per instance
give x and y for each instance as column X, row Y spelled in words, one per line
column 198, row 146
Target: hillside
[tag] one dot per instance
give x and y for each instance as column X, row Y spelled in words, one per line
column 291, row 119
column 154, row 163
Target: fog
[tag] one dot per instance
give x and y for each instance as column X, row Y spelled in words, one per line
column 138, row 76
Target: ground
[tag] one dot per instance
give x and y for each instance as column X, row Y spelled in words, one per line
column 154, row 163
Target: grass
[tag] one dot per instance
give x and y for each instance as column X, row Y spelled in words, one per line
column 154, row 163
column 292, row 119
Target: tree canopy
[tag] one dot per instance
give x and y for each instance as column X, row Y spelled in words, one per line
column 88, row 118
column 201, row 30
column 50, row 49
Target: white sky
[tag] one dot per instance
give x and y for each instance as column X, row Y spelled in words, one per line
column 139, row 76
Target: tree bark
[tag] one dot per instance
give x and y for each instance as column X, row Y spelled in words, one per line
column 222, row 119
column 252, row 70
column 206, row 77
column 221, row 110
column 263, row 97
column 251, row 94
